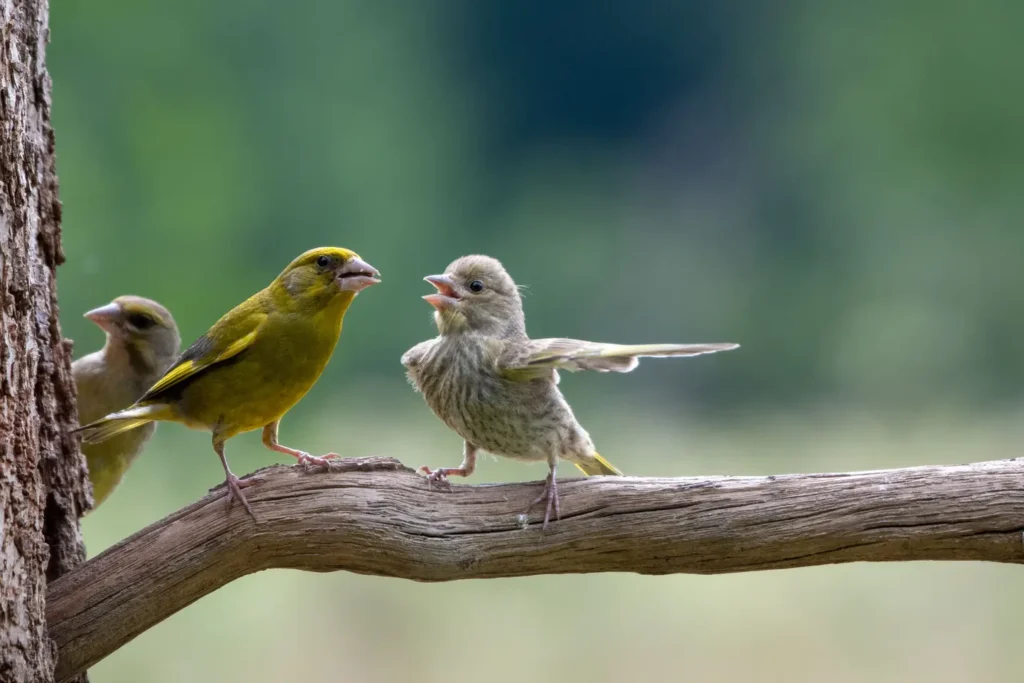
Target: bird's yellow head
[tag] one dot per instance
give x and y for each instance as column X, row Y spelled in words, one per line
column 144, row 328
column 477, row 294
column 322, row 275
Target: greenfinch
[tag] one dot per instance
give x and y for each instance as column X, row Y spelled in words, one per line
column 497, row 388
column 256, row 362
column 142, row 342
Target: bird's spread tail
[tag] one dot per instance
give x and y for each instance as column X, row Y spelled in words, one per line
column 598, row 466
column 118, row 422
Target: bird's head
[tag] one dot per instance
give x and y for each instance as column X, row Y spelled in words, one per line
column 145, row 329
column 321, row 275
column 476, row 294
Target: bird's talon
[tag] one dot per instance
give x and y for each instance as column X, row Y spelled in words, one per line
column 316, row 461
column 241, row 483
column 438, row 476
column 235, row 486
column 549, row 496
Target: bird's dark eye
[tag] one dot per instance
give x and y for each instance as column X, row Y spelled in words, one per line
column 140, row 321
column 323, row 261
column 476, row 286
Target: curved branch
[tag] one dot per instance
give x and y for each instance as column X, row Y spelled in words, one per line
column 374, row 516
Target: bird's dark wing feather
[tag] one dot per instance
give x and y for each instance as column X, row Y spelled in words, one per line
column 206, row 351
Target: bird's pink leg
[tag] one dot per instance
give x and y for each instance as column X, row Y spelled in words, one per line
column 234, row 484
column 441, row 474
column 550, row 495
column 304, row 458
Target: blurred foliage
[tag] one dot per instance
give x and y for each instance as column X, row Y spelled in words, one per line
column 834, row 185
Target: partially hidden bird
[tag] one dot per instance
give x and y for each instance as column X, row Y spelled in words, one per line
column 141, row 343
column 256, row 362
column 498, row 389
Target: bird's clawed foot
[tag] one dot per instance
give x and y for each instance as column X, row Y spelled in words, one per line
column 438, row 476
column 235, row 486
column 316, row 461
column 550, row 495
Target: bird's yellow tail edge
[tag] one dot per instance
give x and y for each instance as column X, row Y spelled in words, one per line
column 599, row 466
column 122, row 421
column 101, row 430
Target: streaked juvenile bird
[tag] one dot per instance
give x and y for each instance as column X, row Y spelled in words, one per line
column 497, row 388
column 256, row 362
column 142, row 342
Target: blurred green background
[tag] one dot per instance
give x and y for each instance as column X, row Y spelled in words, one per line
column 837, row 186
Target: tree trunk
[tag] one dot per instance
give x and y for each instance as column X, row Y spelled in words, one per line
column 42, row 475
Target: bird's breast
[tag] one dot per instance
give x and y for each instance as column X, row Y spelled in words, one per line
column 263, row 383
column 515, row 419
column 456, row 380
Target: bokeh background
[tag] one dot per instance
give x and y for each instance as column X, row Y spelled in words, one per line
column 835, row 185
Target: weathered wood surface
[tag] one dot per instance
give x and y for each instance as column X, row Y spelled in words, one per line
column 377, row 517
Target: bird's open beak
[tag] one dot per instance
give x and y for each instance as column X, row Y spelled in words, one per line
column 106, row 317
column 446, row 296
column 356, row 275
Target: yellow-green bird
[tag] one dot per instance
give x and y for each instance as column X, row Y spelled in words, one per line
column 257, row 361
column 497, row 388
column 142, row 342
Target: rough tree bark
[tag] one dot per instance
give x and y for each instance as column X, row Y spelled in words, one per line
column 42, row 474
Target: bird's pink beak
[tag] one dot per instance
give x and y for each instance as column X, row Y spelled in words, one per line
column 107, row 318
column 356, row 275
column 446, row 296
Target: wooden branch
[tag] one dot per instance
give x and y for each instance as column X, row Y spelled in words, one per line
column 375, row 516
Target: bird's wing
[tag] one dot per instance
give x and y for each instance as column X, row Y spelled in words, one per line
column 411, row 358
column 227, row 338
column 538, row 357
